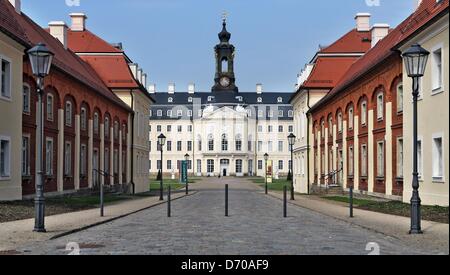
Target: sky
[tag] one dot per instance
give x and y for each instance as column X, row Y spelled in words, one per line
column 173, row 40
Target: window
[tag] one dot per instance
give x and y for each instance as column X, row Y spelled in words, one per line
column 159, row 113
column 68, row 159
column 260, row 165
column 189, row 113
column 96, row 123
column 270, row 146
column 270, row 129
column 238, row 143
column 180, row 128
column 210, row 166
column 280, row 100
column 179, row 113
column 400, row 158
column 169, row 146
column 169, row 128
column 351, row 161
column 249, row 145
column 5, row 157
column 260, row 128
column 280, row 129
column 290, row 113
column 107, row 128
column 270, row 113
column 400, row 98
column 25, row 156
column 49, row 157
column 211, row 143
column 260, row 145
column 189, row 146
column 330, row 126
column 116, row 162
column 69, row 114
column 49, row 107
column 158, row 128
column 158, row 164
column 224, row 142
column 438, row 161
column 364, row 160
column 260, row 113
column 5, row 80
column 380, row 106
column 280, row 113
column 169, row 165
column 291, row 129
column 116, row 130
column 199, row 166
column 280, row 146
column 351, row 119
column 26, row 99
column 260, row 100
column 239, row 166
column 83, row 118
column 380, row 159
column 190, row 99
column 170, row 100
column 179, row 146
column 364, row 113
column 83, row 158
column 340, row 122
column 280, row 165
column 124, row 132
column 169, row 113
column 190, row 128
column 199, row 143
column 437, row 73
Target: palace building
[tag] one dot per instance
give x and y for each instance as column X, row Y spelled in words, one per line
column 225, row 131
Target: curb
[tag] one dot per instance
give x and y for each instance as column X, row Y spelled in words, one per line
column 73, row 231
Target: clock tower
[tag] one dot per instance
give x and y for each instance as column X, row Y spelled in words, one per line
column 224, row 51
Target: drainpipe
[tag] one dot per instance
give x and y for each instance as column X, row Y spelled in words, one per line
column 307, row 144
column 132, row 144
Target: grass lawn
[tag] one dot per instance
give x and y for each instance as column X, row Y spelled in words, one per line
column 430, row 213
column 175, row 185
column 277, row 185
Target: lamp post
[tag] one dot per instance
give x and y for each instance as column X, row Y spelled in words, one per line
column 266, row 158
column 415, row 59
column 186, row 157
column 161, row 142
column 41, row 61
column 291, row 139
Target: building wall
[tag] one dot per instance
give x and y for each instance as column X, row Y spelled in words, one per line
column 11, row 120
column 331, row 145
column 433, row 117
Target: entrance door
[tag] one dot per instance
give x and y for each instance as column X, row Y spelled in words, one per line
column 224, row 167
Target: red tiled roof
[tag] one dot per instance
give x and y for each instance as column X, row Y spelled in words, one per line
column 64, row 59
column 328, row 71
column 427, row 10
column 87, row 42
column 9, row 25
column 113, row 70
column 352, row 42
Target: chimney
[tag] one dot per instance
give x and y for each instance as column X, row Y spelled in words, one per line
column 191, row 88
column 78, row 22
column 171, row 88
column 58, row 29
column 134, row 69
column 152, row 88
column 17, row 5
column 139, row 75
column 259, row 88
column 363, row 22
column 144, row 79
column 379, row 31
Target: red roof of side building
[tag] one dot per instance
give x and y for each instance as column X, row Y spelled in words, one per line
column 327, row 72
column 64, row 59
column 352, row 42
column 385, row 48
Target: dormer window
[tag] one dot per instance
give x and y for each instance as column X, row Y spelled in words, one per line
column 260, row 100
column 239, row 98
column 169, row 113
column 159, row 113
column 210, row 98
column 291, row 113
column 180, row 113
column 190, row 99
column 170, row 100
column 280, row 100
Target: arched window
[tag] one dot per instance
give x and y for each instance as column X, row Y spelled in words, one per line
column 364, row 113
column 330, row 126
column 210, row 143
column 224, row 65
column 96, row 123
column 290, row 113
column 322, row 129
column 83, row 118
column 260, row 100
column 340, row 122
column 107, row 129
column 280, row 100
column 170, row 100
column 380, row 106
column 238, row 143
column 224, row 142
column 124, row 133
column 49, row 107
column 400, row 98
column 350, row 118
column 26, row 98
column 190, row 99
column 69, row 114
column 116, row 130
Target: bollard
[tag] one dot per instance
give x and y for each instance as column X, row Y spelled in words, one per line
column 351, row 202
column 102, row 210
column 285, row 202
column 226, row 200
column 169, row 210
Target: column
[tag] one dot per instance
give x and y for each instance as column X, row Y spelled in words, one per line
column 120, row 157
column 90, row 152
column 388, row 149
column 344, row 155
column 102, row 152
column 76, row 158
column 371, row 156
column 335, row 151
column 356, row 153
column 111, row 155
column 129, row 144
column 60, row 168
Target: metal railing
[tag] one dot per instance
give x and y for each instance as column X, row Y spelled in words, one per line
column 331, row 178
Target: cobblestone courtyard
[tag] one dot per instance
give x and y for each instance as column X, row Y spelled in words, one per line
column 198, row 227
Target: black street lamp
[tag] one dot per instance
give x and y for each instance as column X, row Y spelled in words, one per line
column 41, row 61
column 186, row 157
column 266, row 158
column 415, row 59
column 161, row 142
column 291, row 139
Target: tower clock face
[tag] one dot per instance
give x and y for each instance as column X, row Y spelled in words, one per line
column 225, row 81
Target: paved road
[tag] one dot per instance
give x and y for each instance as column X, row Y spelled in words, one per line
column 198, row 226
